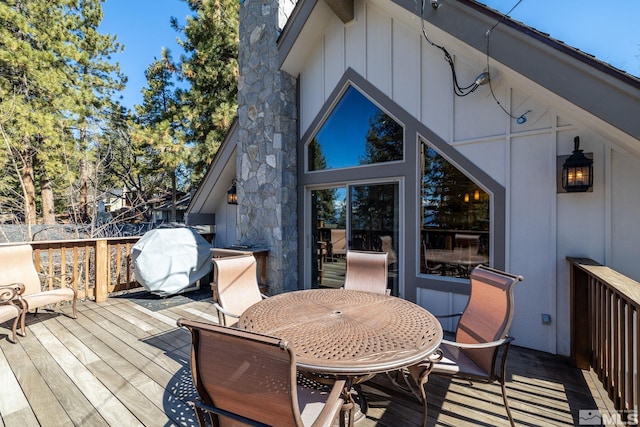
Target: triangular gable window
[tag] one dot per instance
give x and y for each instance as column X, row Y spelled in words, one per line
column 356, row 133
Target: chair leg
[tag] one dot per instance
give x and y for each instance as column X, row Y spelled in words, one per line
column 75, row 311
column 501, row 379
column 14, row 327
column 23, row 317
column 506, row 402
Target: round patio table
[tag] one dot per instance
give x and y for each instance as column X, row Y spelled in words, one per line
column 347, row 333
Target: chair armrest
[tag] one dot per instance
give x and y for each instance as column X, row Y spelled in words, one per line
column 333, row 405
column 225, row 312
column 446, row 316
column 489, row 344
column 11, row 292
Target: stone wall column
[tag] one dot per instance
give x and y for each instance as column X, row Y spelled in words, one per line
column 267, row 138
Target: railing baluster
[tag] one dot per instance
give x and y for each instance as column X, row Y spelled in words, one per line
column 118, row 263
column 628, row 367
column 613, row 327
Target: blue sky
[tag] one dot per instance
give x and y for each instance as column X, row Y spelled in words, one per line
column 143, row 27
column 608, row 30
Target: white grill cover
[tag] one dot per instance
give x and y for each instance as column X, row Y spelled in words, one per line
column 168, row 260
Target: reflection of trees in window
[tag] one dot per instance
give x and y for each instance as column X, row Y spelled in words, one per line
column 450, row 199
column 384, row 140
column 317, row 160
column 325, row 204
column 372, row 207
column 341, row 213
column 355, row 133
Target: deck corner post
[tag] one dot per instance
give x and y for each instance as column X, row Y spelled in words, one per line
column 580, row 326
column 101, row 267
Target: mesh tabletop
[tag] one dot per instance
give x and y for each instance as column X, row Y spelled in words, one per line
column 347, row 332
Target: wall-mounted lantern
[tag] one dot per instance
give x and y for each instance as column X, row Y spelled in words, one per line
column 577, row 170
column 232, row 196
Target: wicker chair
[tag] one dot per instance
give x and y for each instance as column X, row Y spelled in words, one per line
column 244, row 378
column 479, row 352
column 9, row 309
column 235, row 287
column 18, row 267
column 366, row 271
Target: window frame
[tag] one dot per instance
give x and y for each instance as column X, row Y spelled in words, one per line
column 408, row 171
column 328, row 109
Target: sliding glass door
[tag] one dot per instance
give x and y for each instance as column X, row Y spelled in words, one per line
column 353, row 217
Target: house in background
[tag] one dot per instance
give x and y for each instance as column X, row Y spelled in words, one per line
column 162, row 211
column 348, row 119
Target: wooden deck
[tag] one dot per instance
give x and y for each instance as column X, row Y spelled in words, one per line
column 125, row 363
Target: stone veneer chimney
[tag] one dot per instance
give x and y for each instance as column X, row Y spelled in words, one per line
column 267, row 139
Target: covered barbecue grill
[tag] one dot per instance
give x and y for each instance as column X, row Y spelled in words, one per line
column 167, row 261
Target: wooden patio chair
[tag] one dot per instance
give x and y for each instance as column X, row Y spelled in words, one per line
column 367, row 271
column 18, row 267
column 9, row 309
column 479, row 352
column 244, row 378
column 235, row 287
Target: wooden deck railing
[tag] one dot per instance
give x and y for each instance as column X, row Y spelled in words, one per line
column 98, row 266
column 605, row 329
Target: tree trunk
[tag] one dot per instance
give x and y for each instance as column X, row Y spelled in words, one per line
column 46, row 192
column 174, row 197
column 84, row 214
column 28, row 189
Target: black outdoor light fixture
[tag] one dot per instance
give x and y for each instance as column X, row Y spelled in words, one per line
column 577, row 170
column 232, row 196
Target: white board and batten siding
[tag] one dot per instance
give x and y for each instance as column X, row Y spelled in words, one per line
column 385, row 45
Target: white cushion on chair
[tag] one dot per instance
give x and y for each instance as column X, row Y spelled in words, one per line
column 48, row 297
column 8, row 312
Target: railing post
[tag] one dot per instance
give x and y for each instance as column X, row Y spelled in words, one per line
column 580, row 315
column 101, row 267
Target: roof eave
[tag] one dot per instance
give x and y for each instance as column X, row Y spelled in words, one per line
column 549, row 63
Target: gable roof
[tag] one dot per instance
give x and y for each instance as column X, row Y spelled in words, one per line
column 593, row 85
column 214, row 185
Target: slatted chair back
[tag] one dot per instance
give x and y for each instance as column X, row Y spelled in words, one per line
column 244, row 373
column 236, row 284
column 488, row 314
column 366, row 271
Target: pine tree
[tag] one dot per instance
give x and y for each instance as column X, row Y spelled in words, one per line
column 210, row 65
column 55, row 79
column 163, row 128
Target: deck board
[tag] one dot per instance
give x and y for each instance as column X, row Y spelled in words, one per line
column 121, row 363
